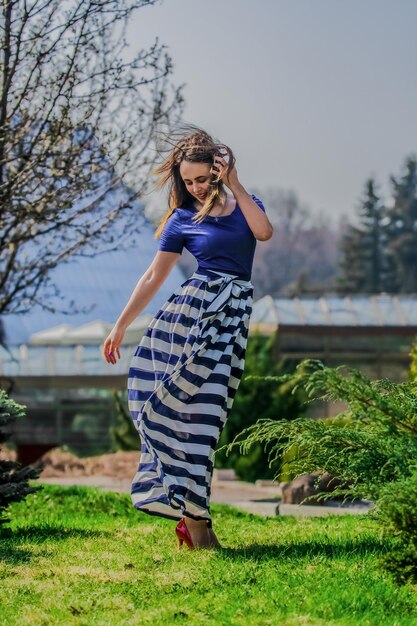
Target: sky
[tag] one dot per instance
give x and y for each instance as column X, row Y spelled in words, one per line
column 311, row 95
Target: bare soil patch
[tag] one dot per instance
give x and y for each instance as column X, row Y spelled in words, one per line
column 58, row 462
column 119, row 464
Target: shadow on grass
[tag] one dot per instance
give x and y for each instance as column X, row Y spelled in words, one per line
column 11, row 552
column 13, row 555
column 338, row 550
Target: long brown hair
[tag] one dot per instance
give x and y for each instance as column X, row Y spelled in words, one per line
column 196, row 146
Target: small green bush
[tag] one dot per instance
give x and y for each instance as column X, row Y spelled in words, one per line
column 413, row 367
column 258, row 396
column 371, row 447
column 123, row 434
column 14, row 479
column 397, row 510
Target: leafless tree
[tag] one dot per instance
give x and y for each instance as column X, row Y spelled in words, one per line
column 302, row 254
column 77, row 125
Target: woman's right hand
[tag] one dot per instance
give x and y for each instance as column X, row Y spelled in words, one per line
column 111, row 346
column 142, row 294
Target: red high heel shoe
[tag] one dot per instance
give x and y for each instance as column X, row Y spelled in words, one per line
column 183, row 534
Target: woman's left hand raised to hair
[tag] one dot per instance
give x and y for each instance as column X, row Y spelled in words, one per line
column 257, row 221
column 219, row 169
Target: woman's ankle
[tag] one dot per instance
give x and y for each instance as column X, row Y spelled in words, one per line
column 193, row 523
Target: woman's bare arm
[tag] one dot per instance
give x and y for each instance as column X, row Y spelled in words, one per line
column 257, row 221
column 145, row 290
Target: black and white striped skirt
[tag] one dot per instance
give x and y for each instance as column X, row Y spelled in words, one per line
column 182, row 382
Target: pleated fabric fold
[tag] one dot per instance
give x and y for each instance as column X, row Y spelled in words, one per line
column 182, row 382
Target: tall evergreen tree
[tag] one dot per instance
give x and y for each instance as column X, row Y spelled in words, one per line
column 363, row 266
column 402, row 228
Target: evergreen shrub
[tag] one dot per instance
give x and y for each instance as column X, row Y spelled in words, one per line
column 14, row 479
column 397, row 511
column 123, row 434
column 371, row 447
column 258, row 396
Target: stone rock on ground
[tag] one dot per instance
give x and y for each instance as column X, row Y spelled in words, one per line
column 7, row 454
column 295, row 491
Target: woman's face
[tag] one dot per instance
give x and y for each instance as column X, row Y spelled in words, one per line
column 197, row 178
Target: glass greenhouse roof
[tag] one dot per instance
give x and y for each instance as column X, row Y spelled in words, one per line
column 99, row 287
column 361, row 311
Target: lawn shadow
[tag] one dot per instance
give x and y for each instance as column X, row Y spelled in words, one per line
column 13, row 555
column 339, row 550
column 11, row 552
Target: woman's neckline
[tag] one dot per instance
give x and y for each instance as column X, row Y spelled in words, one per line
column 218, row 217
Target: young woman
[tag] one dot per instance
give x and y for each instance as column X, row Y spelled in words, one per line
column 186, row 370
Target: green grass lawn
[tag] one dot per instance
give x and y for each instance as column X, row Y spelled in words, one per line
column 82, row 556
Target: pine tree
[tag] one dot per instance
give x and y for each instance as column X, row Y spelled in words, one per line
column 402, row 228
column 364, row 267
column 14, row 479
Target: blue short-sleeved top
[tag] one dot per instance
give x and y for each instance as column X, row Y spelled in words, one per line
column 224, row 243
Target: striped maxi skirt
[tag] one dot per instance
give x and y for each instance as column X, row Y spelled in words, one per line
column 182, row 382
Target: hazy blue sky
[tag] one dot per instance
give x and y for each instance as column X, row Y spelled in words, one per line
column 313, row 95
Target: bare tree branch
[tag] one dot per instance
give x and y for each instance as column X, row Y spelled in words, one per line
column 77, row 126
